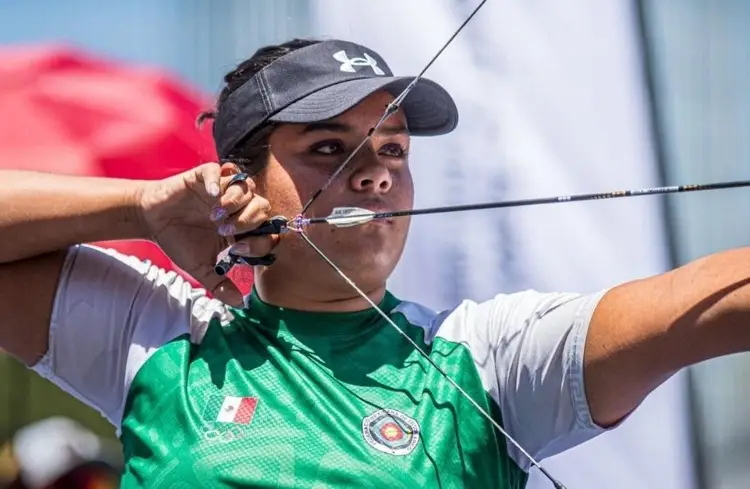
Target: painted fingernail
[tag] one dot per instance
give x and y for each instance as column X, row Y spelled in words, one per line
column 214, row 189
column 218, row 214
column 227, row 229
column 241, row 249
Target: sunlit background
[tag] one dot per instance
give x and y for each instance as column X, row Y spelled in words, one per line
column 692, row 61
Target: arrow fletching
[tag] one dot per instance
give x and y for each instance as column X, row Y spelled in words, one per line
column 344, row 217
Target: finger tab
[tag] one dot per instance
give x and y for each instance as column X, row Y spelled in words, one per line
column 241, row 248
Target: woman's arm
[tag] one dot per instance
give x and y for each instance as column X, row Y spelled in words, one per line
column 43, row 213
column 565, row 368
column 27, row 289
column 42, row 216
column 644, row 331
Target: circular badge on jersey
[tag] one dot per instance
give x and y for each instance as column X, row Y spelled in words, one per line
column 391, row 431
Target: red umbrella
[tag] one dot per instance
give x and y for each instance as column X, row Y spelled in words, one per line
column 66, row 112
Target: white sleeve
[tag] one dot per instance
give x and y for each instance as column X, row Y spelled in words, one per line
column 528, row 348
column 110, row 313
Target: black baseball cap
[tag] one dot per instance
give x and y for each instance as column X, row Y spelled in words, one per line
column 321, row 81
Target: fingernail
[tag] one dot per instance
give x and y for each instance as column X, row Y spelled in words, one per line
column 218, row 214
column 241, row 249
column 214, row 189
column 227, row 229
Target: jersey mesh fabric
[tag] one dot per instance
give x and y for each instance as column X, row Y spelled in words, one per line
column 312, row 380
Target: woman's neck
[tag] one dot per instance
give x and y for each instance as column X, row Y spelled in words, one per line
column 306, row 294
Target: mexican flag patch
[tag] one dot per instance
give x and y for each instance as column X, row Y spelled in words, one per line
column 230, row 409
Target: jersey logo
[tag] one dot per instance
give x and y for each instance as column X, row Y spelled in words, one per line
column 228, row 416
column 391, row 431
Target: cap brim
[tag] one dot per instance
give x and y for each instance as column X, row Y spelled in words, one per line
column 429, row 108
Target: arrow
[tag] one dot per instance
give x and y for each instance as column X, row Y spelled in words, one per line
column 355, row 216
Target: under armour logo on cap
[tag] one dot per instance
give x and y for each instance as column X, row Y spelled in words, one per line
column 348, row 64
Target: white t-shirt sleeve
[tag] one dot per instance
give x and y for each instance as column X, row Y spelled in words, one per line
column 528, row 348
column 110, row 313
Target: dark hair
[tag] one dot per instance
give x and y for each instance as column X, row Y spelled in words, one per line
column 252, row 152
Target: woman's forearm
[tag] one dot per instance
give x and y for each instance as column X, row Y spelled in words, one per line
column 645, row 331
column 41, row 212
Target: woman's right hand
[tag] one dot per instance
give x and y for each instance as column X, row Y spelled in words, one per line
column 192, row 216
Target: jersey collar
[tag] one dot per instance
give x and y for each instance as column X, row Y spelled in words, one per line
column 322, row 324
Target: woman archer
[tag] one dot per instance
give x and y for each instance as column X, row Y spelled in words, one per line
column 305, row 384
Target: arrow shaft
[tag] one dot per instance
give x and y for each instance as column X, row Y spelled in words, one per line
column 536, row 201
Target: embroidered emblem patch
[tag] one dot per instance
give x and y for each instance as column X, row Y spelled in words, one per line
column 391, row 431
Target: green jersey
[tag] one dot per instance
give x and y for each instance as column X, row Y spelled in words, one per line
column 204, row 395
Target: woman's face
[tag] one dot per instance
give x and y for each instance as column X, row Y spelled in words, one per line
column 303, row 157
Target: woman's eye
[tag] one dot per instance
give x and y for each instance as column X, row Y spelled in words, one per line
column 328, row 148
column 333, row 148
column 393, row 151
